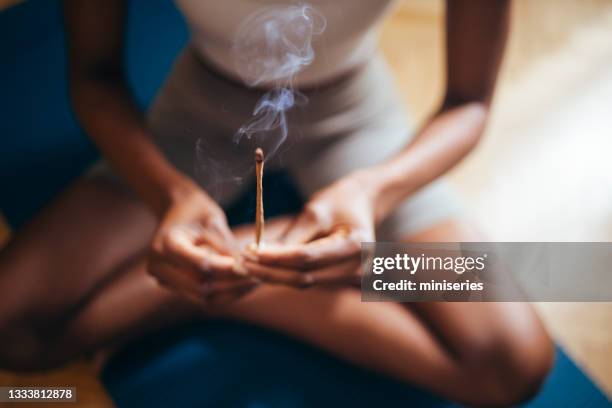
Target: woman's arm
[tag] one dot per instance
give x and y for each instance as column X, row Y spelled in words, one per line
column 104, row 105
column 193, row 242
column 476, row 32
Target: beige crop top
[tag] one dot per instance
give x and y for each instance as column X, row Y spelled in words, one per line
column 263, row 41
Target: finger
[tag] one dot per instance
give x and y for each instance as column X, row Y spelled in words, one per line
column 221, row 238
column 161, row 266
column 180, row 281
column 333, row 248
column 201, row 258
column 177, row 280
column 214, row 233
column 302, row 229
column 278, row 275
column 346, row 273
column 211, row 239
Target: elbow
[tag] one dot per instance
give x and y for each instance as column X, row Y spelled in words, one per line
column 475, row 117
column 85, row 80
column 475, row 106
column 469, row 117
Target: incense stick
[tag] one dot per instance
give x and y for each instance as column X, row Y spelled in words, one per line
column 259, row 211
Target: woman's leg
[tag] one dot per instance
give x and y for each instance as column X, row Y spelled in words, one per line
column 60, row 259
column 77, row 269
column 478, row 354
column 503, row 344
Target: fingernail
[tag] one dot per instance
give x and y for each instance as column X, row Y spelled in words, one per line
column 309, row 280
column 239, row 269
column 250, row 252
column 250, row 257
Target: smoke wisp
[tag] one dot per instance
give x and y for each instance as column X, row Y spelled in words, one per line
column 271, row 47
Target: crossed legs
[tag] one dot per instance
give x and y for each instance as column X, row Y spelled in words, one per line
column 74, row 281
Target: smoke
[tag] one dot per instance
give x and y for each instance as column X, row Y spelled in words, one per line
column 271, row 47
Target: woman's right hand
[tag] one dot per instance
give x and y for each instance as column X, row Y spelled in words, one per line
column 195, row 253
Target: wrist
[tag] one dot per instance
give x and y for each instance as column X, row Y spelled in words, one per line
column 382, row 189
column 174, row 191
column 371, row 183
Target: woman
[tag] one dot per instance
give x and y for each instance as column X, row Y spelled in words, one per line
column 78, row 277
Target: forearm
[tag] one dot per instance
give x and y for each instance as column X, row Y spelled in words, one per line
column 476, row 32
column 105, row 109
column 446, row 139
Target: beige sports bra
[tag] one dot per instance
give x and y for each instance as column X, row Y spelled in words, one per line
column 263, row 42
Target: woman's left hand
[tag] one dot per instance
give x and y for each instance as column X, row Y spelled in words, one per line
column 322, row 246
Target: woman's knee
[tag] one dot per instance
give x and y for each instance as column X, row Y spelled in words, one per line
column 508, row 367
column 24, row 274
column 18, row 341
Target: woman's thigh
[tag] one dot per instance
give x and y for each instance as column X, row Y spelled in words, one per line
column 59, row 258
column 464, row 327
column 429, row 344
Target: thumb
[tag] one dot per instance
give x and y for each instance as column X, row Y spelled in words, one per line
column 220, row 237
column 304, row 228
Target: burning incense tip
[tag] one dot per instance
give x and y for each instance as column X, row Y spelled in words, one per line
column 259, row 211
column 259, row 156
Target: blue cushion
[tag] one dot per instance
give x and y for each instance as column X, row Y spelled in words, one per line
column 42, row 148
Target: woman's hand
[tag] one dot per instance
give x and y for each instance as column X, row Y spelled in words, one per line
column 322, row 246
column 195, row 254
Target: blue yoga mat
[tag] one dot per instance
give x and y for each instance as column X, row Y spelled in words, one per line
column 226, row 364
column 42, row 150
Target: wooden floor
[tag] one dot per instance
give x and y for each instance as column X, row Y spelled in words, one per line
column 552, row 112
